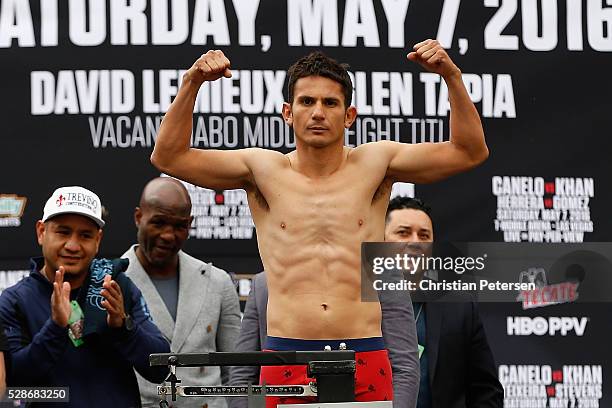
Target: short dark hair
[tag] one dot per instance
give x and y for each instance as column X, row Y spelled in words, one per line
column 403, row 202
column 319, row 64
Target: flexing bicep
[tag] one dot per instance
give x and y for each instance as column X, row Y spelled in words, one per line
column 427, row 162
column 214, row 169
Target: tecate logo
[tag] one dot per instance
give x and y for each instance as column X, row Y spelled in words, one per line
column 542, row 326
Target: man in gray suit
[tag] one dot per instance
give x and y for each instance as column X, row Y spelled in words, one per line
column 194, row 304
column 398, row 330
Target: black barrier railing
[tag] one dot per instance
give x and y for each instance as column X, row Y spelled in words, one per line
column 249, row 358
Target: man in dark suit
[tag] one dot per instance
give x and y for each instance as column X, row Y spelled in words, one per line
column 457, row 366
column 398, row 332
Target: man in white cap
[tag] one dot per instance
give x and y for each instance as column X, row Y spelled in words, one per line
column 76, row 321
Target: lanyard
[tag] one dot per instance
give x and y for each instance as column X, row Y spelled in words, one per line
column 416, row 319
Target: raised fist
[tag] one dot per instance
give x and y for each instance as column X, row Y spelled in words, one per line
column 433, row 57
column 210, row 67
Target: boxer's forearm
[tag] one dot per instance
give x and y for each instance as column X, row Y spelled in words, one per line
column 465, row 124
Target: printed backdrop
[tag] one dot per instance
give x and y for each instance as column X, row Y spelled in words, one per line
column 85, row 84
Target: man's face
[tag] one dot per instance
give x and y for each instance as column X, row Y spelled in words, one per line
column 412, row 227
column 161, row 233
column 408, row 225
column 68, row 240
column 317, row 113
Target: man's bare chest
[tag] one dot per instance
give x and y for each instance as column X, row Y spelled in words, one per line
column 292, row 198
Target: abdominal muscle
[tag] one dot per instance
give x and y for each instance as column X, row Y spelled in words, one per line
column 312, row 316
column 314, row 285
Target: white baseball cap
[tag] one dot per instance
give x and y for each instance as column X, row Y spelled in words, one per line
column 74, row 200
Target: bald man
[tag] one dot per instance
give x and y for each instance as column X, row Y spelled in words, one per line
column 193, row 303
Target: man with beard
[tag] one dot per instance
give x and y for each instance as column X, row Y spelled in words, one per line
column 194, row 304
column 457, row 367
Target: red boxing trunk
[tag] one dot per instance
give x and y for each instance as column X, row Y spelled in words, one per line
column 373, row 377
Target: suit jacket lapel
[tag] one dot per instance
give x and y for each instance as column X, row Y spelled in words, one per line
column 434, row 318
column 159, row 312
column 193, row 292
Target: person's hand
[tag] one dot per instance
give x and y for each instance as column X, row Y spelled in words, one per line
column 60, row 299
column 113, row 302
column 209, row 67
column 433, row 57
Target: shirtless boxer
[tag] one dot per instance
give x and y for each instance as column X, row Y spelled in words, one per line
column 314, row 206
